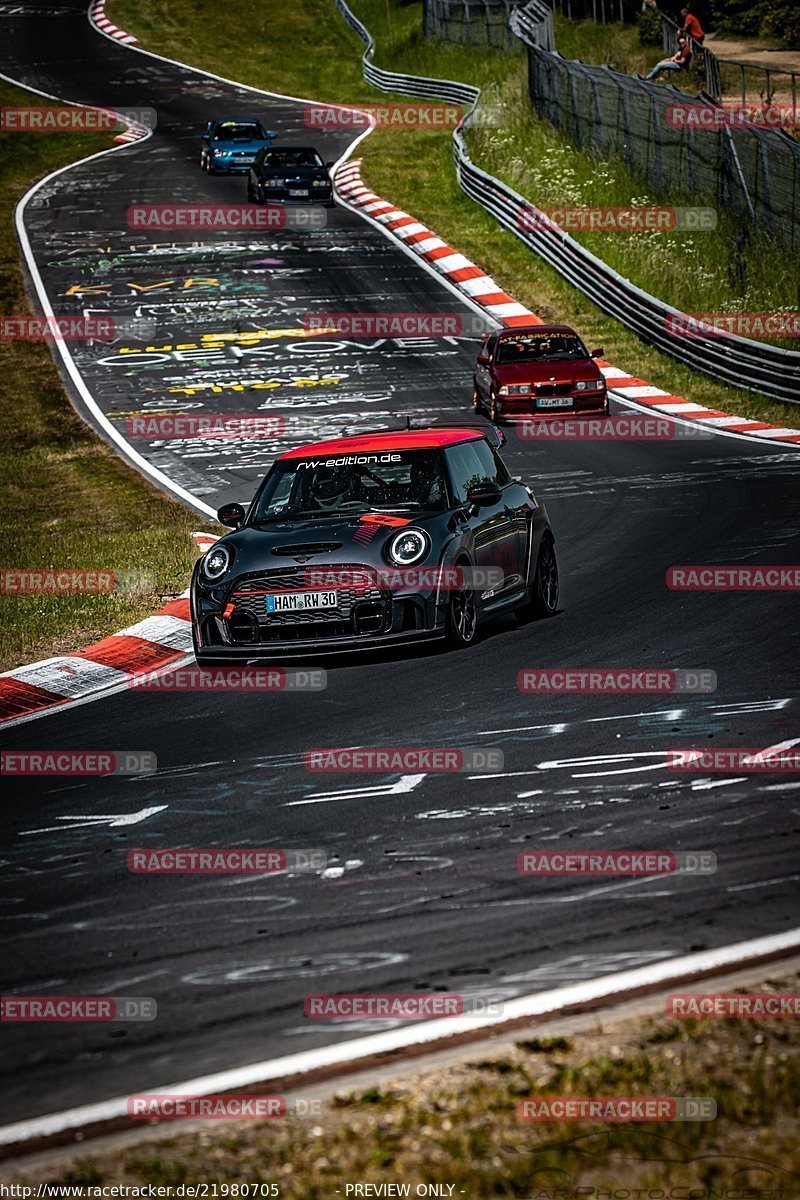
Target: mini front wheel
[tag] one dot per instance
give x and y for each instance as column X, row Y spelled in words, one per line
column 462, row 617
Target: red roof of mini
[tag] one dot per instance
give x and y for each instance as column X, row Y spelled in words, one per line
column 410, row 439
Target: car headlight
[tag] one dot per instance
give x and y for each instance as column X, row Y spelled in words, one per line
column 216, row 562
column 272, row 182
column 220, row 153
column 589, row 385
column 515, row 389
column 408, row 547
column 320, row 183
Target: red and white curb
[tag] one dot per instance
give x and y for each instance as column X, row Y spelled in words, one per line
column 471, row 280
column 482, row 290
column 99, row 21
column 134, row 133
column 110, row 664
column 98, row 18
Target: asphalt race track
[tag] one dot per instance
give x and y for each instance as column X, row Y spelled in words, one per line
column 421, row 891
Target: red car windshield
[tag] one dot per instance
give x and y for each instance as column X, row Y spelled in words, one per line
column 537, row 347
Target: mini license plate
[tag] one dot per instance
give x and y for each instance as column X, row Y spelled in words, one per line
column 300, row 601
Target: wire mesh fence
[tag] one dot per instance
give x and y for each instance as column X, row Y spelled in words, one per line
column 606, row 12
column 678, row 144
column 473, row 22
column 742, row 362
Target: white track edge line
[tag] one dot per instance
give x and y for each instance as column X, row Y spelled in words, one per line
column 127, row 451
column 697, row 423
column 537, row 1004
column 123, row 445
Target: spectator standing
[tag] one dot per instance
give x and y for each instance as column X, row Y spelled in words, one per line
column 692, row 26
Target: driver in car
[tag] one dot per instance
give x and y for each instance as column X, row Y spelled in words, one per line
column 333, row 487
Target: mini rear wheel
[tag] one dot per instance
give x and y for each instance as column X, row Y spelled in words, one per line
column 542, row 599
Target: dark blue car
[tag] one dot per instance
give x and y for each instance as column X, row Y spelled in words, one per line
column 232, row 145
column 290, row 174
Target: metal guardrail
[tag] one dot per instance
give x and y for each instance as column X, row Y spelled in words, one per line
column 734, row 360
column 405, row 85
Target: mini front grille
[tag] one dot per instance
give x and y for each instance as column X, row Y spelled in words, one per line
column 357, row 593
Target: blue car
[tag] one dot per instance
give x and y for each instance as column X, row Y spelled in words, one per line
column 232, row 145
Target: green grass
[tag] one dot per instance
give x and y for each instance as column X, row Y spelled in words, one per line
column 617, row 45
column 458, row 1125
column 67, row 500
column 415, row 171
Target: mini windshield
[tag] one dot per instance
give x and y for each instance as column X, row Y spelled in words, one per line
column 535, row 347
column 238, row 131
column 351, row 484
column 303, row 156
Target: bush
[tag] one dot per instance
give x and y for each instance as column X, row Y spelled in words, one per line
column 751, row 18
column 782, row 20
column 739, row 18
column 650, row 28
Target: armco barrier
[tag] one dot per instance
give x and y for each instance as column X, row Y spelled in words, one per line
column 405, row 85
column 737, row 361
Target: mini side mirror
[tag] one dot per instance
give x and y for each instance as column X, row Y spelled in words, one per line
column 597, row 353
column 483, row 360
column 330, row 164
column 231, row 515
column 483, row 494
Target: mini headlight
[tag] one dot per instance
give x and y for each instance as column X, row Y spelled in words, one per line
column 408, row 547
column 216, row 562
column 220, row 153
column 320, row 183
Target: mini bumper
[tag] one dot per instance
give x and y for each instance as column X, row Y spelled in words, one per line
column 242, row 628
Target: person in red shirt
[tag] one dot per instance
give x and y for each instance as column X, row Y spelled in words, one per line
column 692, row 26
